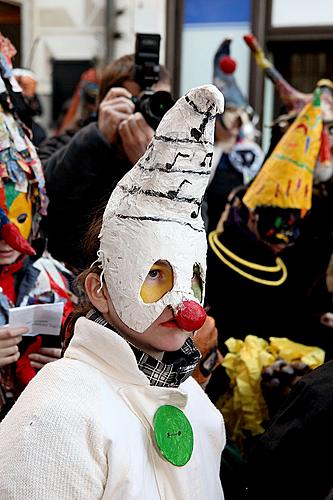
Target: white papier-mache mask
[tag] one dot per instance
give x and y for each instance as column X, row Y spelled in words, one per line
column 154, row 214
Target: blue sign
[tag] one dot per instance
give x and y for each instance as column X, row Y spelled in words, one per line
column 217, row 11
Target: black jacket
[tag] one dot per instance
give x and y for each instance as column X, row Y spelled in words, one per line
column 79, row 180
column 240, row 306
column 243, row 307
column 290, row 461
column 52, row 144
column 225, row 179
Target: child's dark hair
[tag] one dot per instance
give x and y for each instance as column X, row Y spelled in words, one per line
column 91, row 246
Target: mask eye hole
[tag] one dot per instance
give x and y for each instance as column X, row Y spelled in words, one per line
column 158, row 282
column 22, row 218
column 196, row 282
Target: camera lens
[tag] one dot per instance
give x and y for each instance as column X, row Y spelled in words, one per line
column 153, row 106
column 160, row 103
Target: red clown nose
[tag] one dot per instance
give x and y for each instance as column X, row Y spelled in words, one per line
column 190, row 316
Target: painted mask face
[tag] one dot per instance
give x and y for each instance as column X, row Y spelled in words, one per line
column 22, row 191
column 169, row 267
column 277, row 226
column 153, row 242
column 324, row 166
column 19, row 209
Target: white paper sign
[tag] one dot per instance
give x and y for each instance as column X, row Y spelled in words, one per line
column 41, row 319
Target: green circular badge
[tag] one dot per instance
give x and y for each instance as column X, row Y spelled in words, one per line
column 173, row 435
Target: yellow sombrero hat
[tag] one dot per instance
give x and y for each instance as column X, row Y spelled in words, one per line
column 285, row 179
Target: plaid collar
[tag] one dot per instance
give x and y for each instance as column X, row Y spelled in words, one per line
column 175, row 367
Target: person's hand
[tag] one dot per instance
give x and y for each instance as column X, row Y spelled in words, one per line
column 206, row 341
column 135, row 134
column 9, row 340
column 278, row 379
column 327, row 319
column 206, row 337
column 113, row 110
column 43, row 356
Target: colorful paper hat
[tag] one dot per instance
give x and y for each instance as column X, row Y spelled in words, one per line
column 154, row 214
column 223, row 77
column 7, row 52
column 285, row 180
column 23, row 199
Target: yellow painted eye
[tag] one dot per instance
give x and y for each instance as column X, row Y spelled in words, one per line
column 158, row 282
column 20, row 213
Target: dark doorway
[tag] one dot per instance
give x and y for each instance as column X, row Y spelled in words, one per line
column 65, row 77
column 10, row 27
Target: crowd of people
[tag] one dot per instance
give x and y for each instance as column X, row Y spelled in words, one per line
column 193, row 270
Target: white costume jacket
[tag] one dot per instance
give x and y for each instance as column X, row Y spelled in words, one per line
column 83, row 430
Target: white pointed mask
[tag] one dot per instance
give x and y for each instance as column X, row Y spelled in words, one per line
column 153, row 215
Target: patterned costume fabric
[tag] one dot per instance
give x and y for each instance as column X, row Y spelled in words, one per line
column 42, row 281
column 21, row 174
column 23, row 202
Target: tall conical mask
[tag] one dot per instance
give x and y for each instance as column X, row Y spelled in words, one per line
column 153, row 214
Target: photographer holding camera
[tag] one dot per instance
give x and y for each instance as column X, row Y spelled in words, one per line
column 117, row 118
column 81, row 176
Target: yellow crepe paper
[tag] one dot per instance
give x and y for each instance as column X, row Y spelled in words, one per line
column 292, row 351
column 285, row 180
column 243, row 406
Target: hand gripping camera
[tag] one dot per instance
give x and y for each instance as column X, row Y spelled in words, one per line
column 153, row 105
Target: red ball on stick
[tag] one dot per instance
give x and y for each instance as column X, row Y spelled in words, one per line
column 227, row 64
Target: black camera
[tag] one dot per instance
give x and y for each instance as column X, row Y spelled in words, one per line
column 153, row 105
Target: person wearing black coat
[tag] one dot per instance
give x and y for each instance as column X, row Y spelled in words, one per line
column 81, row 175
column 291, row 459
column 265, row 304
column 79, row 179
column 269, row 251
column 266, row 260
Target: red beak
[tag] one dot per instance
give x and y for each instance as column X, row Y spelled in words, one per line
column 11, row 235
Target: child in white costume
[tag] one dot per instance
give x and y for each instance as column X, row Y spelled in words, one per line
column 120, row 417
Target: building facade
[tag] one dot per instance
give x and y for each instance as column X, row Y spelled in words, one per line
column 58, row 40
